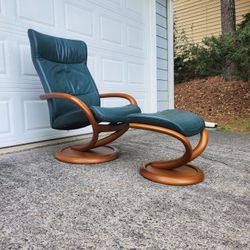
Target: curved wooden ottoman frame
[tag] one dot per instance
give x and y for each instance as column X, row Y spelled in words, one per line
column 177, row 171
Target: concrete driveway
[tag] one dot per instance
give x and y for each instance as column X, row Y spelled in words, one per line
column 47, row 204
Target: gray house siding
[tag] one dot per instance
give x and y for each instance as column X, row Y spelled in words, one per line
column 162, row 54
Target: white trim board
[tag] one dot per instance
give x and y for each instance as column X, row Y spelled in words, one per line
column 170, row 19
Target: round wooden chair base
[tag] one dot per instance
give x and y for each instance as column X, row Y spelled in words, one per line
column 92, row 156
column 181, row 176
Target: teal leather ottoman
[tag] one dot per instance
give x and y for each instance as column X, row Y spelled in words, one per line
column 179, row 124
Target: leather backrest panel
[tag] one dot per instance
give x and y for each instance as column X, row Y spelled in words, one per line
column 58, row 49
column 62, row 67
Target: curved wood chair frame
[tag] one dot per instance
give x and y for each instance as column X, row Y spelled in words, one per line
column 96, row 150
column 173, row 172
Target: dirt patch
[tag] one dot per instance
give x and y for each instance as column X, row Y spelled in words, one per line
column 214, row 99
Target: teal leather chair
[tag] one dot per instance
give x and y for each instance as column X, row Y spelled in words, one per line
column 74, row 102
column 73, row 99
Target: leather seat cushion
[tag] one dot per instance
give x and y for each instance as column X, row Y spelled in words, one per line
column 70, row 120
column 114, row 115
column 184, row 122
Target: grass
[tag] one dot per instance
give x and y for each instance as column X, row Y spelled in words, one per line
column 239, row 125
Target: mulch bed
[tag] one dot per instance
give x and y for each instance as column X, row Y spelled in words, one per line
column 214, row 99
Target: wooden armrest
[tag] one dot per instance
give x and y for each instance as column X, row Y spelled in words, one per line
column 120, row 95
column 74, row 100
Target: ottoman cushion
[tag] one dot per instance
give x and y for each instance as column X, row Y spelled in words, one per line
column 184, row 122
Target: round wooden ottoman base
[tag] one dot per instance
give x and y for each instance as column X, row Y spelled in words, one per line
column 181, row 176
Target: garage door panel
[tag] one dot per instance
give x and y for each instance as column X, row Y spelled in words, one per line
column 112, row 70
column 5, row 112
column 136, row 8
column 117, row 102
column 142, row 105
column 39, row 12
column 135, row 73
column 111, row 30
column 124, row 88
column 79, row 19
column 135, row 38
column 91, row 63
column 1, row 8
column 34, row 120
column 27, row 68
column 2, row 56
column 9, row 105
column 114, row 3
column 19, row 69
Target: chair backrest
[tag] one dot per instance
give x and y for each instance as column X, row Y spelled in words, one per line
column 62, row 67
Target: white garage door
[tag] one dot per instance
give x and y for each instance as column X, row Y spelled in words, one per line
column 119, row 41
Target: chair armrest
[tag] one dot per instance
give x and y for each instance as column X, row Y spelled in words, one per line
column 120, row 95
column 74, row 100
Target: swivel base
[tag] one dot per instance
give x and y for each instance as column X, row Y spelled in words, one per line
column 92, row 156
column 181, row 176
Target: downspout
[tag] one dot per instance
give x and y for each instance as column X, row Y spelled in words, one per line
column 170, row 25
column 152, row 55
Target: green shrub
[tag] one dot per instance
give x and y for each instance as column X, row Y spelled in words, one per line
column 184, row 59
column 214, row 54
column 210, row 57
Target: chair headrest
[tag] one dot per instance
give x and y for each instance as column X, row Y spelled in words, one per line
column 57, row 49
